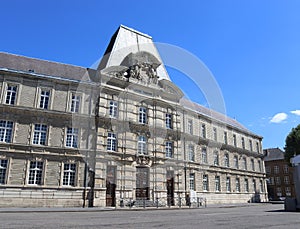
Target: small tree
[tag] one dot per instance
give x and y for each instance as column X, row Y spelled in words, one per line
column 292, row 143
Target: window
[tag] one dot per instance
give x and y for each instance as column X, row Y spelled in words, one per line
column 254, row 185
column 11, row 92
column 261, row 187
column 243, row 142
column 236, row 162
column 192, row 181
column 142, row 115
column 217, row 184
column 203, row 131
column 278, row 191
column 191, row 153
column 205, row 182
column 246, row 185
column 234, row 140
column 142, row 145
column 190, row 126
column 204, row 155
column 35, row 172
column 237, row 185
column 215, row 134
column 268, row 169
column 276, row 169
column 72, row 137
column 226, row 160
column 271, row 181
column 288, row 191
column 44, row 99
column 3, row 170
column 245, row 163
column 252, row 165
column 169, row 121
column 40, row 134
column 228, row 188
column 6, row 131
column 216, row 158
column 257, row 147
column 250, row 145
column 169, row 149
column 259, row 166
column 69, row 174
column 75, row 103
column 286, row 169
column 111, row 142
column 113, row 109
column 277, row 180
column 225, row 138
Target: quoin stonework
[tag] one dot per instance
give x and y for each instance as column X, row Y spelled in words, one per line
column 116, row 134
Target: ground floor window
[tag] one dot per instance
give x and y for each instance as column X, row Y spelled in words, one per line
column 35, row 172
column 69, row 174
column 217, row 184
column 3, row 170
column 192, row 181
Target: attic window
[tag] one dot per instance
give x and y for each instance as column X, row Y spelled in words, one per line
column 31, row 70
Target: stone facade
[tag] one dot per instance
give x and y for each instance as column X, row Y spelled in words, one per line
column 73, row 136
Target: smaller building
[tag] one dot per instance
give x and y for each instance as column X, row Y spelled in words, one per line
column 280, row 181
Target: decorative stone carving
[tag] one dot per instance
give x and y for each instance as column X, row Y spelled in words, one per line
column 143, row 160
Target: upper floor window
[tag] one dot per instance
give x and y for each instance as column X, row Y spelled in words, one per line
column 40, row 134
column 203, row 131
column 143, row 115
column 243, row 142
column 72, row 137
column 236, row 162
column 259, row 165
column 169, row 149
column 226, row 160
column 169, row 121
column 276, row 169
column 252, row 165
column 35, row 172
column 190, row 126
column 254, row 185
column 6, row 128
column 75, row 103
column 286, row 169
column 245, row 163
column 286, row 179
column 204, row 155
column 205, row 182
column 234, row 140
column 142, row 145
column 3, row 170
column 69, row 174
column 191, row 153
column 111, row 142
column 268, row 169
column 113, row 109
column 216, row 158
column 215, row 134
column 225, row 138
column 11, row 93
column 257, row 147
column 250, row 145
column 44, row 99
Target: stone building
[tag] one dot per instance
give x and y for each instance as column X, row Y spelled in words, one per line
column 280, row 181
column 75, row 136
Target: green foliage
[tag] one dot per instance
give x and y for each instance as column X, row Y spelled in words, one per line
column 292, row 143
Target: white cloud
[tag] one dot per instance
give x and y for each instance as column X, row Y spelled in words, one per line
column 278, row 118
column 296, row 112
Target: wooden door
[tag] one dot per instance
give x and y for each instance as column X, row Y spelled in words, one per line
column 111, row 186
column 142, row 183
column 170, row 187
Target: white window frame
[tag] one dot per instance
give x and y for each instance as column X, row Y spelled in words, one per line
column 228, row 184
column 75, row 102
column 6, row 131
column 237, row 185
column 143, row 115
column 216, row 158
column 204, row 155
column 190, row 126
column 169, row 149
column 113, row 109
column 236, row 162
column 36, row 172
column 111, row 142
column 3, row 170
column 142, row 145
column 11, row 94
column 69, row 174
column 44, row 102
column 191, row 152
column 72, row 137
column 205, row 182
column 169, row 121
column 217, row 184
column 192, row 184
column 226, row 160
column 203, row 130
column 39, row 134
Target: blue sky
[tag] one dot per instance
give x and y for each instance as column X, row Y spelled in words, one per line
column 252, row 47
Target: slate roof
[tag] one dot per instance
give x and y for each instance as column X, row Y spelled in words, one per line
column 273, row 154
